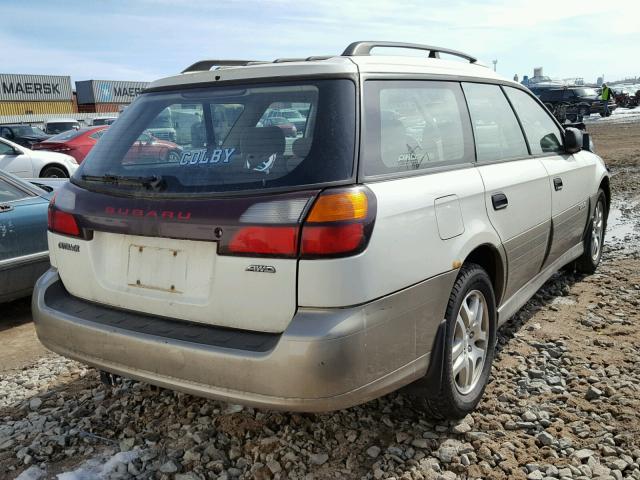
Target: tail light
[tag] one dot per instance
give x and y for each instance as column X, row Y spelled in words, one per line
column 339, row 223
column 53, row 147
column 60, row 148
column 265, row 240
column 62, row 222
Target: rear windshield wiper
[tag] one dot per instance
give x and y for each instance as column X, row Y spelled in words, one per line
column 153, row 182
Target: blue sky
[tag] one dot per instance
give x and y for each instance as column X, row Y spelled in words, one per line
column 147, row 39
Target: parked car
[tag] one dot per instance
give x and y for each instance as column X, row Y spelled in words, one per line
column 290, row 115
column 149, row 149
column 374, row 255
column 59, row 125
column 288, row 128
column 583, row 100
column 23, row 228
column 24, row 135
column 77, row 143
column 27, row 163
column 163, row 126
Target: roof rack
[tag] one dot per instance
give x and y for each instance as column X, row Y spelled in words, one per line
column 364, row 48
column 204, row 65
column 355, row 49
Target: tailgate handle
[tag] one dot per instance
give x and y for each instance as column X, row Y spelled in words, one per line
column 499, row 201
column 557, row 183
column 5, row 207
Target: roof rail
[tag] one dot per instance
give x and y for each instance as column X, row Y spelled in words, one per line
column 301, row 59
column 204, row 65
column 364, row 48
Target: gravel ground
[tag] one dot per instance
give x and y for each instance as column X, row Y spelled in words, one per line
column 563, row 401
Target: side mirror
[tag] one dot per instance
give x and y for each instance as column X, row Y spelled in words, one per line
column 572, row 140
column 17, row 152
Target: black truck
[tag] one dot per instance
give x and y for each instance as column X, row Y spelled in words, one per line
column 573, row 103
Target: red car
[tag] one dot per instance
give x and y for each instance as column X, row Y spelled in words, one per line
column 78, row 144
column 149, row 149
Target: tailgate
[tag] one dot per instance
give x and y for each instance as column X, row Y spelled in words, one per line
column 167, row 259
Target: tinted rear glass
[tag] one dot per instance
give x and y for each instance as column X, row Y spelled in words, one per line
column 59, row 127
column 68, row 135
column 216, row 140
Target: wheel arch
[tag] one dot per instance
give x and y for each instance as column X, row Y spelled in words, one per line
column 493, row 262
column 53, row 164
column 606, row 188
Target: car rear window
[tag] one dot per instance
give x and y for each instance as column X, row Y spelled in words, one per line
column 68, row 135
column 215, row 140
column 59, row 127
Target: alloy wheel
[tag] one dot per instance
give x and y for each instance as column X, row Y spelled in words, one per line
column 597, row 230
column 470, row 342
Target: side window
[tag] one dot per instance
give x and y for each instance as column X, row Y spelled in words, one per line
column 414, row 125
column 497, row 132
column 543, row 134
column 6, row 149
column 10, row 193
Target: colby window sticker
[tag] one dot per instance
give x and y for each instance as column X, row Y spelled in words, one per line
column 199, row 157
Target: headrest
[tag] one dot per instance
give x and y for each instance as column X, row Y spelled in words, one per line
column 262, row 141
column 301, row 147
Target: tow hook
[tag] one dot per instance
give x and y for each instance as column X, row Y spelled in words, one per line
column 110, row 379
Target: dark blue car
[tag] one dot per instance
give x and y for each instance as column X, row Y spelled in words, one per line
column 24, row 252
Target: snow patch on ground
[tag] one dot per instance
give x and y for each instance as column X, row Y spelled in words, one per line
column 99, row 467
column 619, row 115
column 31, row 473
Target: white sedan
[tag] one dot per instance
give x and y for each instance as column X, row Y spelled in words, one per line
column 27, row 163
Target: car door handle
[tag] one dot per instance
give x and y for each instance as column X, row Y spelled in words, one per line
column 5, row 207
column 499, row 200
column 557, row 183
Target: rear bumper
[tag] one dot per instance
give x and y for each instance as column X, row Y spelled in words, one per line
column 326, row 359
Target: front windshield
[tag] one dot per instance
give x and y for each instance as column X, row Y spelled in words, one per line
column 26, row 130
column 68, row 135
column 220, row 142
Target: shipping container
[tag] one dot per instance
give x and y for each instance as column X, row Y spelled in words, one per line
column 108, row 91
column 99, row 108
column 34, row 88
column 26, row 108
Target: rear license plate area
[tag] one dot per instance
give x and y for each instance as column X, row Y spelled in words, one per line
column 155, row 268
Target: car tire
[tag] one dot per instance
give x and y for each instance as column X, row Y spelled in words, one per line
column 594, row 239
column 468, row 331
column 54, row 172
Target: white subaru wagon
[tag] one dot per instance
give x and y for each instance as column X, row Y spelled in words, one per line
column 423, row 202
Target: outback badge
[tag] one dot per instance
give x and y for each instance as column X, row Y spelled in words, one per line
column 260, row 269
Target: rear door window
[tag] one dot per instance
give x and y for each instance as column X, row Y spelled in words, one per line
column 414, row 125
column 215, row 140
column 496, row 130
column 543, row 134
column 9, row 193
